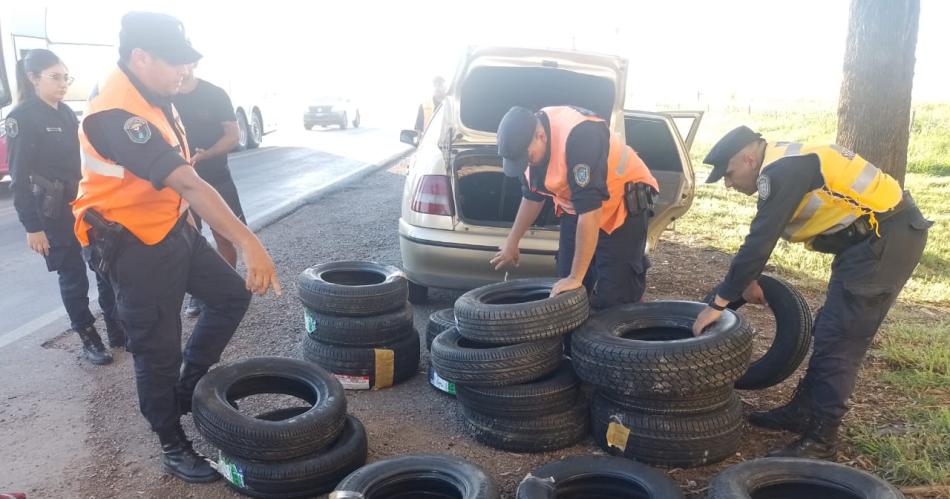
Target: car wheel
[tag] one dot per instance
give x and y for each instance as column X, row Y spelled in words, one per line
column 356, row 121
column 255, row 131
column 242, row 132
column 345, row 122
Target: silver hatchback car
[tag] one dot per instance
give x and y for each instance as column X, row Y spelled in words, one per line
column 458, row 206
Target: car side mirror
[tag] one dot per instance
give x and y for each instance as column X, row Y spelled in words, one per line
column 410, row 137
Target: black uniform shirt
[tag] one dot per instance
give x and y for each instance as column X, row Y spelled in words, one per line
column 587, row 148
column 41, row 141
column 202, row 111
column 782, row 189
column 151, row 160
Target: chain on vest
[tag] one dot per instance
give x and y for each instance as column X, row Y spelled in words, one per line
column 852, row 187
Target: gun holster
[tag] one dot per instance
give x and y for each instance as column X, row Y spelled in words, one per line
column 51, row 195
column 639, row 198
column 106, row 237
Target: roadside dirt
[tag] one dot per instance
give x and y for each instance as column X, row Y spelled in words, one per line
column 359, row 223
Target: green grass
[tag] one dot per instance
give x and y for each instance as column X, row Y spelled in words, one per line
column 907, row 443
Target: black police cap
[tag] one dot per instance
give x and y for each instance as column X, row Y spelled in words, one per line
column 515, row 132
column 726, row 148
column 159, row 34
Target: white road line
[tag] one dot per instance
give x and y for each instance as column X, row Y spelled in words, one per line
column 31, row 327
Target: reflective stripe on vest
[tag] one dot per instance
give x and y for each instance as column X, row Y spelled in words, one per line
column 623, row 165
column 852, row 187
column 119, row 195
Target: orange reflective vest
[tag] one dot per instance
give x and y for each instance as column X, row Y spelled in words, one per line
column 623, row 165
column 114, row 191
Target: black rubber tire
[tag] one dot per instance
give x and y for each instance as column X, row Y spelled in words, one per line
column 356, row 120
column 793, row 334
column 345, row 122
column 246, row 437
column 358, row 331
column 358, row 289
column 418, row 294
column 308, row 476
column 440, row 384
column 597, row 477
column 361, row 362
column 667, row 440
column 439, row 321
column 255, row 123
column 535, row 434
column 431, row 476
column 517, row 311
column 792, row 478
column 665, row 359
column 698, row 404
column 465, row 362
column 243, row 131
column 556, row 392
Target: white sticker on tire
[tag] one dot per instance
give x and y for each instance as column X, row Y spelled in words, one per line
column 309, row 323
column 441, row 384
column 353, row 382
column 230, row 471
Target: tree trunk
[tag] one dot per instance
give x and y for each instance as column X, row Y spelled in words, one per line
column 874, row 106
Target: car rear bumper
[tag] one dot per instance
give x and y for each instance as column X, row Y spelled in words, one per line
column 448, row 259
column 322, row 118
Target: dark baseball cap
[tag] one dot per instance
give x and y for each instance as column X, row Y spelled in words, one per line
column 514, row 135
column 726, row 148
column 159, row 34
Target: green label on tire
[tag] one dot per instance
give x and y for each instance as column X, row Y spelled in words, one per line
column 441, row 384
column 309, row 323
column 230, row 471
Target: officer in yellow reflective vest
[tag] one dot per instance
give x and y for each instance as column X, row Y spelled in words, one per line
column 833, row 201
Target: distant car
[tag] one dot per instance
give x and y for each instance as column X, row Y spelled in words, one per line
column 327, row 111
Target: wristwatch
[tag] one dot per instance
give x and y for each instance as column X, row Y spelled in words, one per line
column 712, row 304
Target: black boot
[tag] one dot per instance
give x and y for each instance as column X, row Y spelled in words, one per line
column 820, row 441
column 181, row 460
column 92, row 348
column 793, row 416
column 187, row 380
column 116, row 334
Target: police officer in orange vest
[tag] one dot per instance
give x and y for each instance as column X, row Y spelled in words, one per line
column 833, row 201
column 132, row 218
column 602, row 192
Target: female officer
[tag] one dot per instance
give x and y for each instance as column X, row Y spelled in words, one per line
column 43, row 153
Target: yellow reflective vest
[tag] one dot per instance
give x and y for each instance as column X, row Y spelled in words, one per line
column 852, row 188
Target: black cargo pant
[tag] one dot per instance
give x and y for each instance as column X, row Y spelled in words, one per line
column 617, row 274
column 150, row 284
column 66, row 259
column 865, row 281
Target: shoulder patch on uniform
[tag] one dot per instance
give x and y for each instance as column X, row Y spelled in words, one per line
column 137, row 129
column 764, row 187
column 581, row 174
column 12, row 127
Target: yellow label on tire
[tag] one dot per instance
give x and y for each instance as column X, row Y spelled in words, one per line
column 617, row 434
column 384, row 368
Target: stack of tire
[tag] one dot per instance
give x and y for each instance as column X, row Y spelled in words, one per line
column 359, row 323
column 439, row 322
column 663, row 396
column 288, row 452
column 505, row 357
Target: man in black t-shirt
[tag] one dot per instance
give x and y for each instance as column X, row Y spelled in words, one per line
column 212, row 132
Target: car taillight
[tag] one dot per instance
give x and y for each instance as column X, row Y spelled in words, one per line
column 433, row 196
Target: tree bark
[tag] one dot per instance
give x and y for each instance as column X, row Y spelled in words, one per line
column 874, row 105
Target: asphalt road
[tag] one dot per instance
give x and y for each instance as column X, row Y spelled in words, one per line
column 290, row 165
